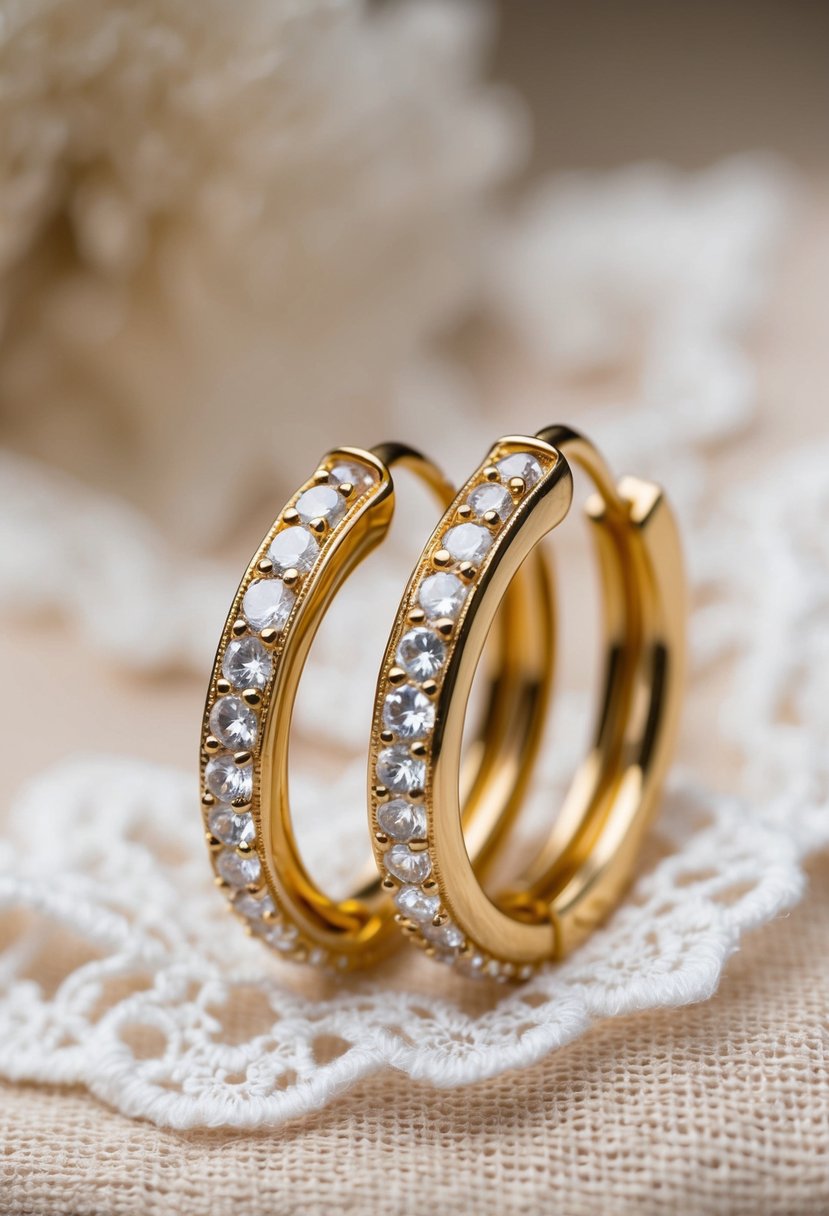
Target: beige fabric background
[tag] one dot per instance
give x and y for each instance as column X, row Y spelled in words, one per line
column 723, row 1108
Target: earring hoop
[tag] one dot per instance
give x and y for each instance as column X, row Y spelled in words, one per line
column 328, row 527
column 526, row 487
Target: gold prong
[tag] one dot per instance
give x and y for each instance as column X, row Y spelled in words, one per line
column 211, row 744
column 491, row 518
column 409, row 928
column 465, row 511
column 429, row 950
column 238, row 627
column 221, row 884
column 399, row 918
column 429, row 884
column 388, row 884
column 386, row 736
column 418, row 749
column 442, row 558
column 417, row 616
column 291, row 515
column 242, row 758
column 223, row 686
column 322, row 476
column 517, row 486
column 439, row 919
column 252, row 697
column 491, row 473
column 467, row 571
column 244, row 849
column 318, row 525
column 381, row 838
column 255, row 889
column 212, row 842
column 429, row 687
column 445, row 625
column 269, row 636
column 418, row 846
column 291, row 577
column 346, row 488
column 269, row 916
column 265, row 566
column 396, row 675
column 240, row 806
column 208, row 799
column 381, row 793
column 416, row 794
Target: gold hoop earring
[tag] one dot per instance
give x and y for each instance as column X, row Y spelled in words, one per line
column 520, row 493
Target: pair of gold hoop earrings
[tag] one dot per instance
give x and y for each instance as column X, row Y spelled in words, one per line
column 482, row 570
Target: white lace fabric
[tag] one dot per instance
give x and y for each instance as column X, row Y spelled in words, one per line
column 120, row 970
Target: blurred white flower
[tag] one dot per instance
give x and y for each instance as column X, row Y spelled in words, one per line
column 224, row 228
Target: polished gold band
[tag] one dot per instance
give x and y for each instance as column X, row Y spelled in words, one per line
column 525, row 486
column 324, row 532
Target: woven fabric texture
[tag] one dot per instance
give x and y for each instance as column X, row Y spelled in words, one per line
column 720, row 1108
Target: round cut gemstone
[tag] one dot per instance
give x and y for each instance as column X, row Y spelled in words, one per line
column 442, row 595
column 282, row 937
column 321, row 502
column 491, row 497
column 402, row 820
column 417, row 905
column 399, row 771
column 421, row 654
column 227, row 780
column 520, row 464
column 293, row 549
column 247, row 663
column 267, row 604
column 251, row 908
column 231, row 827
column 467, row 542
column 233, row 723
column 408, row 712
column 358, row 475
column 448, row 935
column 406, row 865
column 237, row 870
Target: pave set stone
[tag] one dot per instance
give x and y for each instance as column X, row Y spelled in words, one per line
column 245, row 667
column 438, row 598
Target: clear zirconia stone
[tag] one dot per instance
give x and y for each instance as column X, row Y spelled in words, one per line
column 234, row 724
column 402, row 820
column 491, row 497
column 520, row 464
column 247, row 663
column 358, row 475
column 399, row 771
column 421, row 654
column 238, row 871
column 406, row 865
column 231, row 827
column 408, row 712
column 417, row 904
column 293, row 548
column 447, row 935
column 251, row 908
column 227, row 781
column 321, row 502
column 267, row 604
column 281, row 937
column 442, row 595
column 467, row 542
